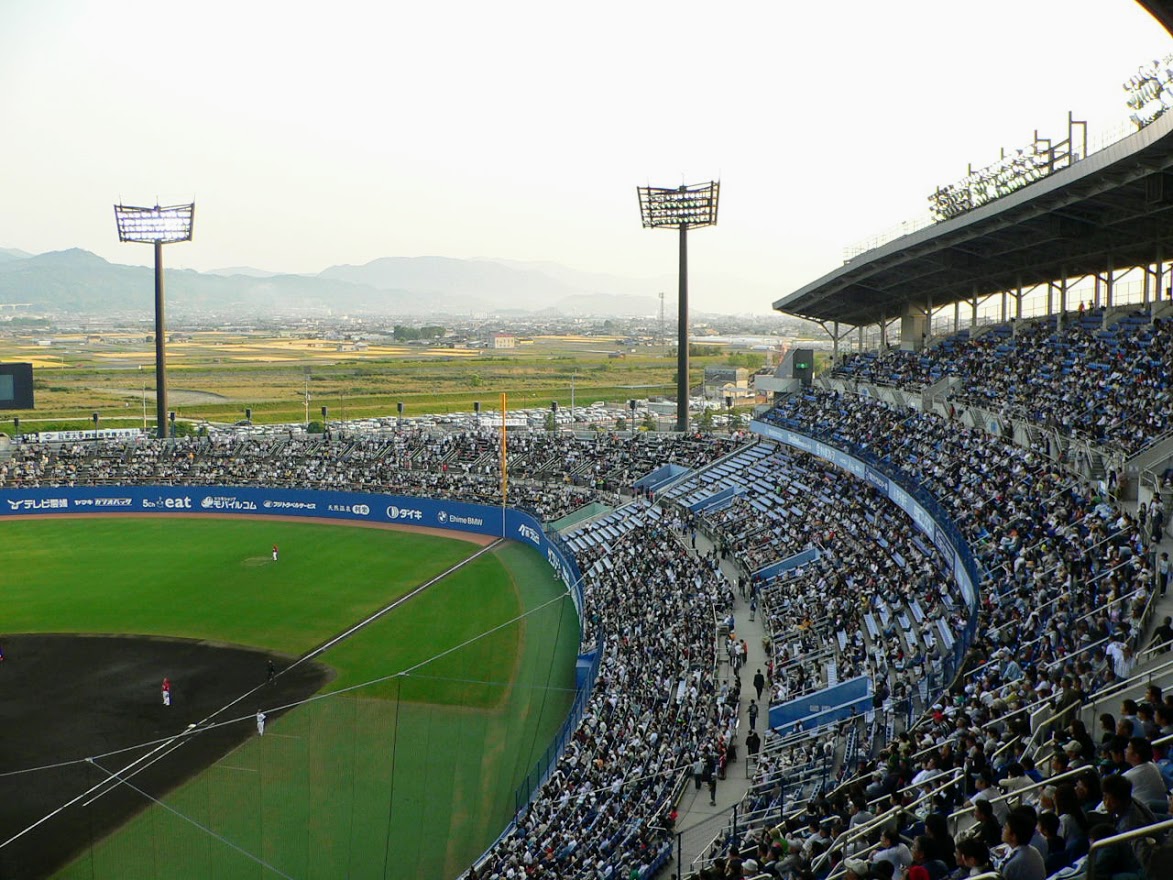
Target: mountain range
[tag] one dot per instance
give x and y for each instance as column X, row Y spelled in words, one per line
column 76, row 281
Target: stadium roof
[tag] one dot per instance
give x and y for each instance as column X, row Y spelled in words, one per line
column 1161, row 10
column 1112, row 209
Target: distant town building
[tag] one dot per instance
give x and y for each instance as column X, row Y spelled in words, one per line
column 504, row 340
column 723, row 381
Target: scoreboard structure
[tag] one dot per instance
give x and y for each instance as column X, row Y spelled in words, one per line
column 16, row 386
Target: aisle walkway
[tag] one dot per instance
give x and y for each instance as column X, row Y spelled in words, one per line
column 698, row 820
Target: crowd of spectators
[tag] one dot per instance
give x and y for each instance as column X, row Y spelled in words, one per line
column 464, row 466
column 870, row 562
column 1094, row 789
column 613, row 460
column 656, row 712
column 1114, row 386
column 1067, row 569
column 1068, row 584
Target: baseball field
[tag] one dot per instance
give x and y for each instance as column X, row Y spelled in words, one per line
column 393, row 752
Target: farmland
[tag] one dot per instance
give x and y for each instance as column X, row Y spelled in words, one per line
column 215, row 376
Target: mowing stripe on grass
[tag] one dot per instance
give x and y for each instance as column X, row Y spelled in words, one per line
column 205, row 829
column 310, row 655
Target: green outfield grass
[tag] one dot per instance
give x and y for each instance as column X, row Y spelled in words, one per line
column 210, row 579
column 411, row 775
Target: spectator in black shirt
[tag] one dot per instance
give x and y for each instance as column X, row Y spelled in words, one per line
column 1163, row 635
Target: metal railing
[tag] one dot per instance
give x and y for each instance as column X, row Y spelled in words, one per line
column 1117, row 691
column 1110, row 692
column 939, row 783
column 954, row 818
column 1160, row 828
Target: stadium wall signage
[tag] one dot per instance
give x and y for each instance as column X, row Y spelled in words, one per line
column 834, row 703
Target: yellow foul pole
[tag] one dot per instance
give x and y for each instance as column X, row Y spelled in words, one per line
column 504, row 454
column 504, row 464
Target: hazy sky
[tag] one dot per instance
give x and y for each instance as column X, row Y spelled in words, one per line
column 312, row 135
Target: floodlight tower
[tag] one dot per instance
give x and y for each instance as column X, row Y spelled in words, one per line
column 157, row 226
column 682, row 208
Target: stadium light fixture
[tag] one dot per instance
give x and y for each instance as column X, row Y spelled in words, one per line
column 682, row 208
column 157, row 226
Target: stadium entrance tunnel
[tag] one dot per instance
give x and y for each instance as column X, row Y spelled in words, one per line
column 77, row 711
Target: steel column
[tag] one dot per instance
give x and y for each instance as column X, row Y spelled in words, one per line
column 682, row 337
column 160, row 345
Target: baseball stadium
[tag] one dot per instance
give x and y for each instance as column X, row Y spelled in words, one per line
column 912, row 622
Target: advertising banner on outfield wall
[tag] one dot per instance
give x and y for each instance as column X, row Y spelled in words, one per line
column 354, row 507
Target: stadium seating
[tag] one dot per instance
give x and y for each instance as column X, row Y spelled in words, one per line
column 1112, row 384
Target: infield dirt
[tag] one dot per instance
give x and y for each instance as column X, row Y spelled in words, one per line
column 76, row 709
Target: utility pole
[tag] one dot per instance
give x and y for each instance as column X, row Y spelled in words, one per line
column 663, row 342
column 307, row 397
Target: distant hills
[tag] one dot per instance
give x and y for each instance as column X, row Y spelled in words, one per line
column 80, row 282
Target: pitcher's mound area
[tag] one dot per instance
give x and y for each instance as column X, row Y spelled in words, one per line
column 66, row 698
